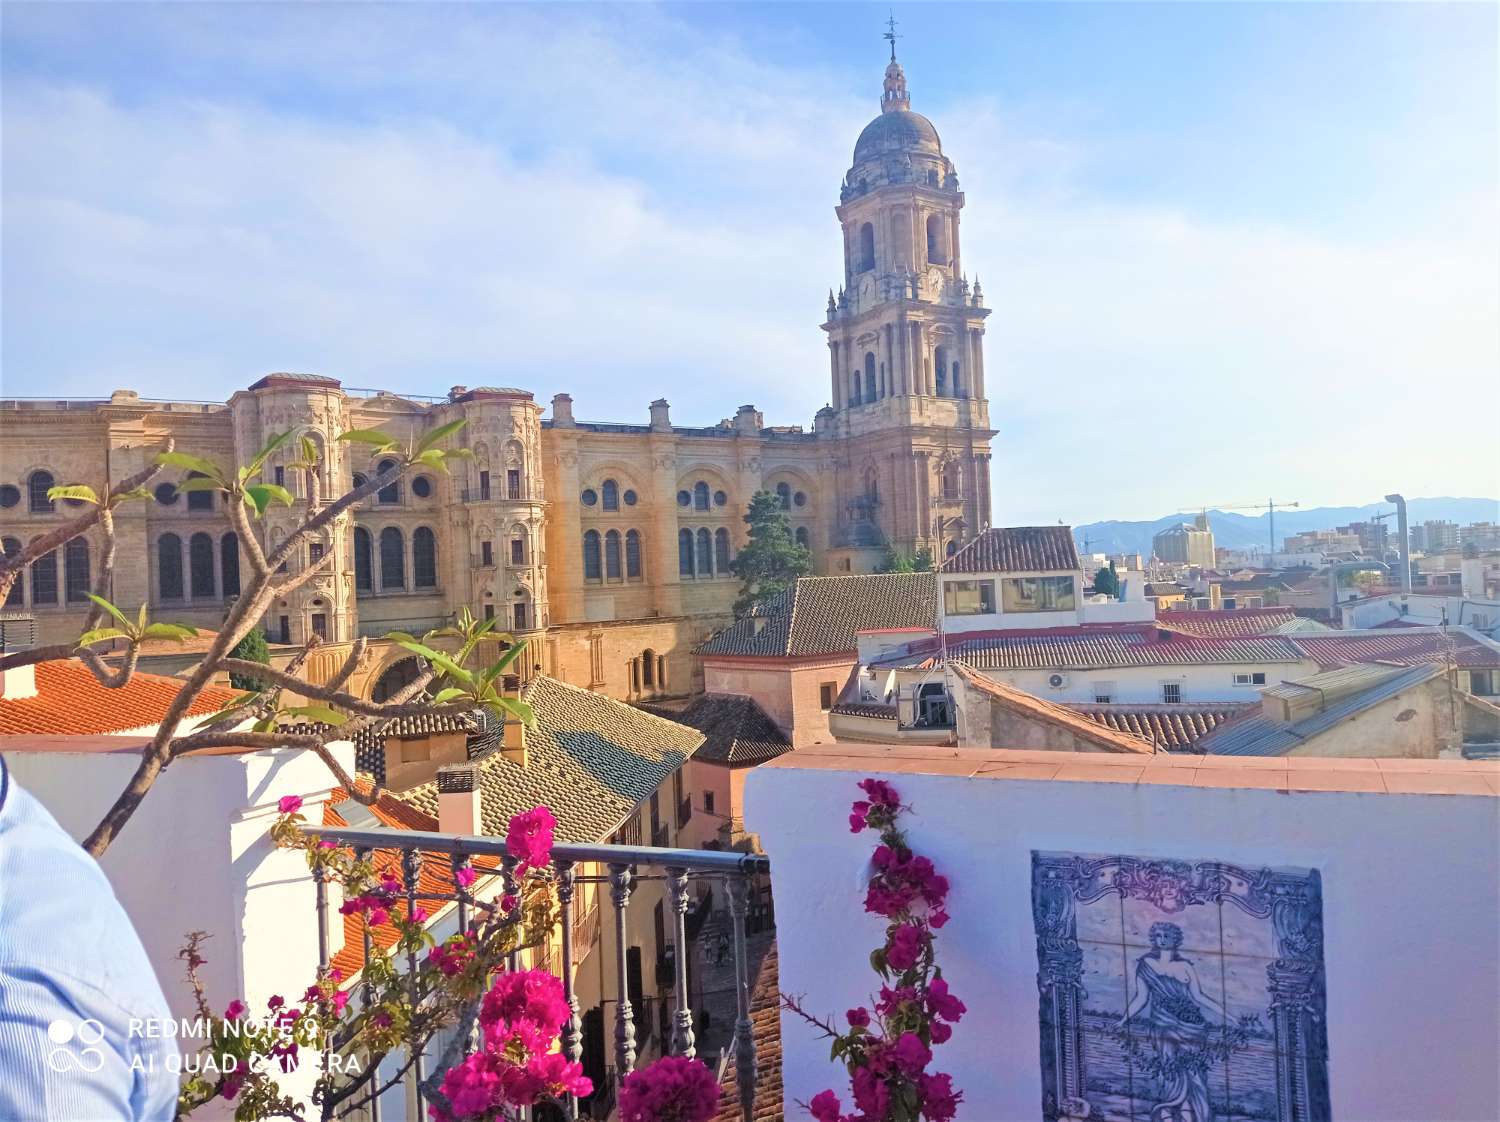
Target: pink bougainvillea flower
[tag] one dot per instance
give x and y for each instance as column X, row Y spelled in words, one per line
column 939, row 1099
column 940, row 1031
column 529, row 838
column 508, row 903
column 233, row 1012
column 858, row 1018
column 289, row 804
column 905, row 947
column 909, row 1054
column 464, row 875
column 825, row 1107
column 942, row 1003
column 673, row 1089
column 419, row 914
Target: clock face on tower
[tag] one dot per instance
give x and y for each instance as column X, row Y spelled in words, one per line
column 935, row 281
column 866, row 291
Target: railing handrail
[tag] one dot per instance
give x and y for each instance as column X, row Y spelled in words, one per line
column 693, row 860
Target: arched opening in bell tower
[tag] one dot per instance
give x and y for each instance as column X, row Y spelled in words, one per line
column 937, row 239
column 866, row 259
column 870, row 394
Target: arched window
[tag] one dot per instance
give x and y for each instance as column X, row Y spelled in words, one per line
column 801, row 536
column 957, row 385
column 169, row 567
column 44, row 579
column 199, row 500
column 952, row 549
column 648, row 667
column 364, row 558
column 632, row 555
column 872, row 484
column 611, row 492
column 612, row 555
column 685, row 553
column 854, row 397
column 423, row 558
column 937, row 241
column 76, row 570
column 201, row 565
column 17, row 594
column 392, row 558
column 705, row 554
column 700, row 495
column 870, row 386
column 229, row 564
column 36, row 492
column 518, row 546
column 940, row 365
column 950, row 480
column 592, row 567
column 784, row 495
column 721, row 551
column 866, row 248
column 389, row 494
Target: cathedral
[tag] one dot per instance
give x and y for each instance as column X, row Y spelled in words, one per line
column 606, row 546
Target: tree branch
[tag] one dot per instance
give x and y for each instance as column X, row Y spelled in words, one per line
column 347, row 701
column 332, row 511
column 245, row 533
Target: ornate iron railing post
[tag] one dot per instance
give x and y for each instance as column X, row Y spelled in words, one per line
column 512, row 891
column 365, row 854
column 683, row 1043
column 411, row 870
column 457, row 861
column 744, row 1035
column 572, row 1031
column 320, row 898
column 619, row 893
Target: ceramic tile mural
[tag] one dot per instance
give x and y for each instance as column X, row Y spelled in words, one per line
column 1179, row 991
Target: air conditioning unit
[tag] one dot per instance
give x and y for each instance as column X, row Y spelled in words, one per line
column 1058, row 681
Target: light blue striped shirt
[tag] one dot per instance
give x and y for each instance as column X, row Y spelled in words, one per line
column 73, row 976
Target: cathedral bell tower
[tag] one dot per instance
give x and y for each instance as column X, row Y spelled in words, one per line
column 906, row 346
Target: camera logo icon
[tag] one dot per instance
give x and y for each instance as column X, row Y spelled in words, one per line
column 75, row 1045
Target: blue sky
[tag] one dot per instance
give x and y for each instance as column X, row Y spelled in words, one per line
column 1232, row 250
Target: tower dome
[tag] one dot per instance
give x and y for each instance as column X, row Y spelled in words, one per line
column 899, row 145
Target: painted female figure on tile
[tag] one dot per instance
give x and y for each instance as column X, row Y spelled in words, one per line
column 1179, row 991
column 1170, row 1001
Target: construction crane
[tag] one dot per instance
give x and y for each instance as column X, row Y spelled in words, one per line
column 1269, row 506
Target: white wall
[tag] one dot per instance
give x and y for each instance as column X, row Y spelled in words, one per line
column 1141, row 684
column 195, row 856
column 999, row 618
column 1411, row 891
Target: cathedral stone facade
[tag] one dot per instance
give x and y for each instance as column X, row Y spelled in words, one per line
column 606, row 546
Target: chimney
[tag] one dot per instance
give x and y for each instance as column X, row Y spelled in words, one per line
column 562, row 411
column 17, row 633
column 661, row 420
column 513, row 741
column 1215, row 596
column 747, row 420
column 459, row 800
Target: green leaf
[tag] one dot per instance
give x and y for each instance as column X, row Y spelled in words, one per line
column 400, row 637
column 316, row 713
column 262, row 495
column 174, row 631
column 191, row 463
column 432, row 458
column 265, row 724
column 442, row 662
column 442, row 697
column 380, row 441
column 440, row 433
column 200, row 483
column 264, row 454
column 112, row 610
column 458, row 454
column 309, row 451
column 238, row 703
column 99, row 635
column 133, row 493
column 74, row 491
column 516, row 708
column 140, row 619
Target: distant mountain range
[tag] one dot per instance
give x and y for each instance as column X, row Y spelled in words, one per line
column 1239, row 531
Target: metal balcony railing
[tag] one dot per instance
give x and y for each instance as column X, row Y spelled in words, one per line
column 622, row 868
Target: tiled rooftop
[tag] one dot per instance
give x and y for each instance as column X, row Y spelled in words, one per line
column 70, row 700
column 1101, row 646
column 1016, row 549
column 736, row 730
column 1224, row 623
column 590, row 759
column 1295, row 774
column 822, row 615
column 1102, row 736
column 1406, row 647
column 1173, row 727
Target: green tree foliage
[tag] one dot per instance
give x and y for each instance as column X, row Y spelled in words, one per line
column 1106, row 581
column 252, row 648
column 772, row 559
column 898, row 562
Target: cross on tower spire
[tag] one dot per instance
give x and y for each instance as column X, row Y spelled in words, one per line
column 890, row 35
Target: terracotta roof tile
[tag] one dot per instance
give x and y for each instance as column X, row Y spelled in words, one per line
column 1173, row 727
column 1404, row 646
column 1029, row 705
column 765, row 1025
column 823, row 615
column 736, row 730
column 1226, row 623
column 1016, row 549
column 1100, row 647
column 69, row 699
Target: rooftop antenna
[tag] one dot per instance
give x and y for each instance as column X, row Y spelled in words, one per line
column 890, row 35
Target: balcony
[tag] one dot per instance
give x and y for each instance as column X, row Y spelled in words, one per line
column 615, row 872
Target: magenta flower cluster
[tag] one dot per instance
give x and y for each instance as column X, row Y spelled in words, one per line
column 673, row 1089
column 888, row 1053
column 374, row 904
column 529, row 838
column 520, row 1019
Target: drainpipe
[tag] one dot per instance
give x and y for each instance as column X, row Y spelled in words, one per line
column 1405, row 542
